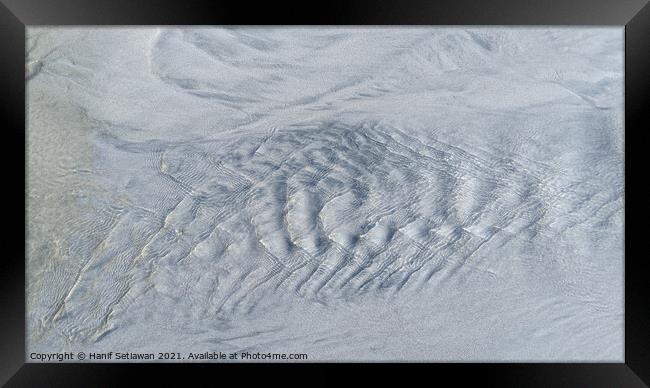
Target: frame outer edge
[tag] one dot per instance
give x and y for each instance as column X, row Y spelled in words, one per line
column 343, row 12
column 13, row 18
column 12, row 268
column 637, row 95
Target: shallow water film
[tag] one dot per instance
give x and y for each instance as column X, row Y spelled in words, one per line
column 343, row 194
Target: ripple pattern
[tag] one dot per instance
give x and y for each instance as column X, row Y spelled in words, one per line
column 231, row 190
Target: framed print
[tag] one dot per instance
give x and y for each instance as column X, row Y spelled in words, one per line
column 416, row 183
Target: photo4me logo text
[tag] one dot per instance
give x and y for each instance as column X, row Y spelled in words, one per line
column 166, row 356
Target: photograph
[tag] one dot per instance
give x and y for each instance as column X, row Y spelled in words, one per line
column 324, row 193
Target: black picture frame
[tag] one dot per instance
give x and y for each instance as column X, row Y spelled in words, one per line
column 15, row 15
